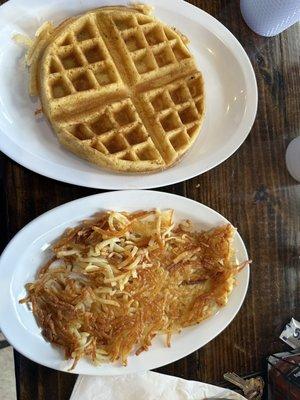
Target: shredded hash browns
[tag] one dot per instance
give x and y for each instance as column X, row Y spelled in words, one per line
column 119, row 279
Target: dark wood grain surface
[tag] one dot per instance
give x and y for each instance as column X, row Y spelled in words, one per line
column 252, row 189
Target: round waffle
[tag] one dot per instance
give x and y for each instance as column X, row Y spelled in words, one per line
column 120, row 89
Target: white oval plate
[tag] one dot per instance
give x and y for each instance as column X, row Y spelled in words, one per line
column 231, row 96
column 29, row 249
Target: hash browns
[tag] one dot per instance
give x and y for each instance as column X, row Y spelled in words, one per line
column 119, row 279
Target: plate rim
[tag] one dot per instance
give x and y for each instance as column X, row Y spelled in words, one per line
column 10, row 247
column 31, row 160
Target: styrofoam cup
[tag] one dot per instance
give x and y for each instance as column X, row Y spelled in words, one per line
column 270, row 17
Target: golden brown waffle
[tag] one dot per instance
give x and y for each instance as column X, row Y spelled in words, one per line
column 120, row 89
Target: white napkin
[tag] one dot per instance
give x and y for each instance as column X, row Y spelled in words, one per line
column 7, row 374
column 146, row 386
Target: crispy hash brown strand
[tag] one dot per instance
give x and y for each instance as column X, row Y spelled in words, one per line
column 119, row 279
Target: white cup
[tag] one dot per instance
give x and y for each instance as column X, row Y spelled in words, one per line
column 292, row 158
column 270, row 17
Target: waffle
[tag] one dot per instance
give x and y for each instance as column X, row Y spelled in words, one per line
column 120, row 89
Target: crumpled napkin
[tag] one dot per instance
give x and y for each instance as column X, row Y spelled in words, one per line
column 146, row 386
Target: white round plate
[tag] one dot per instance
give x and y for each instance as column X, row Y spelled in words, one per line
column 231, row 96
column 29, row 249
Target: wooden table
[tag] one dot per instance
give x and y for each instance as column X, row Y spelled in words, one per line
column 252, row 189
